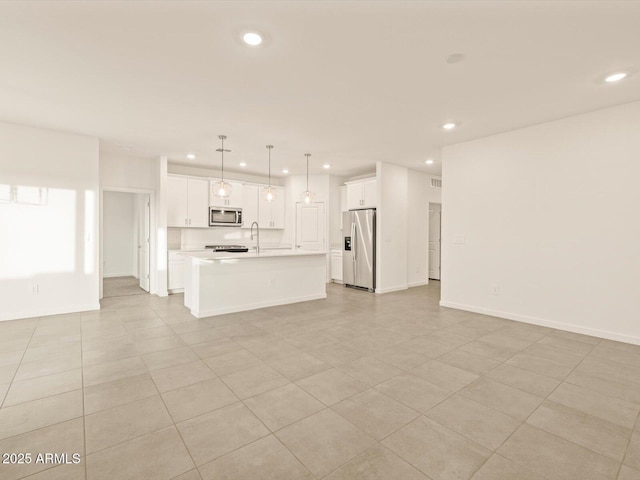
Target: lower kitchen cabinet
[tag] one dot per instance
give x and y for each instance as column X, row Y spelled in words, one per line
column 175, row 272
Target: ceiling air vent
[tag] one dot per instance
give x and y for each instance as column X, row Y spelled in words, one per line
column 436, row 182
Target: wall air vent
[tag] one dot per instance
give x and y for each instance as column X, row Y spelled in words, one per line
column 436, row 182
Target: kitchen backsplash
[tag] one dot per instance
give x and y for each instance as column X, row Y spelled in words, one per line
column 187, row 238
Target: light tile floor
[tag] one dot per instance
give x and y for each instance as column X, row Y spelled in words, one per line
column 357, row 386
column 118, row 286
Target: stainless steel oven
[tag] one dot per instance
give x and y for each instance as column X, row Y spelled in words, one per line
column 225, row 217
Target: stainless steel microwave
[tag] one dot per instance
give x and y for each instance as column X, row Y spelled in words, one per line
column 225, row 217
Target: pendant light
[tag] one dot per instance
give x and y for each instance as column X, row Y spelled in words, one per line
column 269, row 192
column 222, row 188
column 307, row 195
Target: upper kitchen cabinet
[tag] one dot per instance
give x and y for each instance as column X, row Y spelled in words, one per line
column 271, row 214
column 250, row 205
column 362, row 194
column 187, row 202
column 233, row 200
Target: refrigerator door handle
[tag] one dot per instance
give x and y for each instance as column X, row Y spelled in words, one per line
column 355, row 252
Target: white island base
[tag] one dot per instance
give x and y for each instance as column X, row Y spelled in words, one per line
column 219, row 283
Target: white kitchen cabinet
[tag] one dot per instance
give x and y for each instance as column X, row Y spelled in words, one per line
column 362, row 194
column 271, row 214
column 177, row 202
column 234, row 200
column 175, row 272
column 250, row 205
column 187, row 202
column 198, row 203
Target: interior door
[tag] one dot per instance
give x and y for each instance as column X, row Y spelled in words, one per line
column 435, row 215
column 310, row 229
column 143, row 241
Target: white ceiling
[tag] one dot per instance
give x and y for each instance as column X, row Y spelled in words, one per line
column 351, row 82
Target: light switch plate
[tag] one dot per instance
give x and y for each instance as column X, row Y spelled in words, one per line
column 458, row 239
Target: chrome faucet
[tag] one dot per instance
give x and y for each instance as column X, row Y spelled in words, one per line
column 257, row 236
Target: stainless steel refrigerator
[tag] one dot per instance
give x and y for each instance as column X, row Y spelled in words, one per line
column 359, row 249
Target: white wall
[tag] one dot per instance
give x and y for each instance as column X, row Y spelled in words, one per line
column 159, row 260
column 434, row 194
column 119, row 236
column 127, row 171
column 335, row 212
column 549, row 215
column 48, row 253
column 391, row 228
column 418, row 193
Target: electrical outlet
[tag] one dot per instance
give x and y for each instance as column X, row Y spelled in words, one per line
column 272, row 282
column 495, row 290
column 458, row 239
column 35, row 289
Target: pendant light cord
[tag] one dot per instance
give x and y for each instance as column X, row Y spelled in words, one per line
column 269, row 147
column 307, row 155
column 222, row 150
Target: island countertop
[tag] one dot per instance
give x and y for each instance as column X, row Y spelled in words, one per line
column 211, row 256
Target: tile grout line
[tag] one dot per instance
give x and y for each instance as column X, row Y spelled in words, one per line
column 493, row 452
column 4, row 397
column 534, row 411
column 84, row 412
column 636, row 426
column 175, row 426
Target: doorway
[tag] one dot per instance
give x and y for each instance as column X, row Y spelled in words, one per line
column 435, row 222
column 126, row 252
column 310, row 226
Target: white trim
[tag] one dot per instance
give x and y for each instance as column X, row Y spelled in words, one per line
column 256, row 305
column 419, row 283
column 112, row 275
column 594, row 332
column 397, row 288
column 153, row 268
column 47, row 311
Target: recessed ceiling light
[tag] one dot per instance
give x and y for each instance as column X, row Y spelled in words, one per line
column 285, row 170
column 252, row 39
column 449, row 126
column 429, row 162
column 243, row 164
column 326, row 166
column 125, row 147
column 191, row 156
column 615, row 77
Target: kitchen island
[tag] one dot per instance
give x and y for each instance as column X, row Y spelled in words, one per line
column 224, row 282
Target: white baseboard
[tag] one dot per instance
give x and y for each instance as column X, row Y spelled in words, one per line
column 594, row 332
column 419, row 284
column 112, row 275
column 253, row 306
column 43, row 312
column 397, row 288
